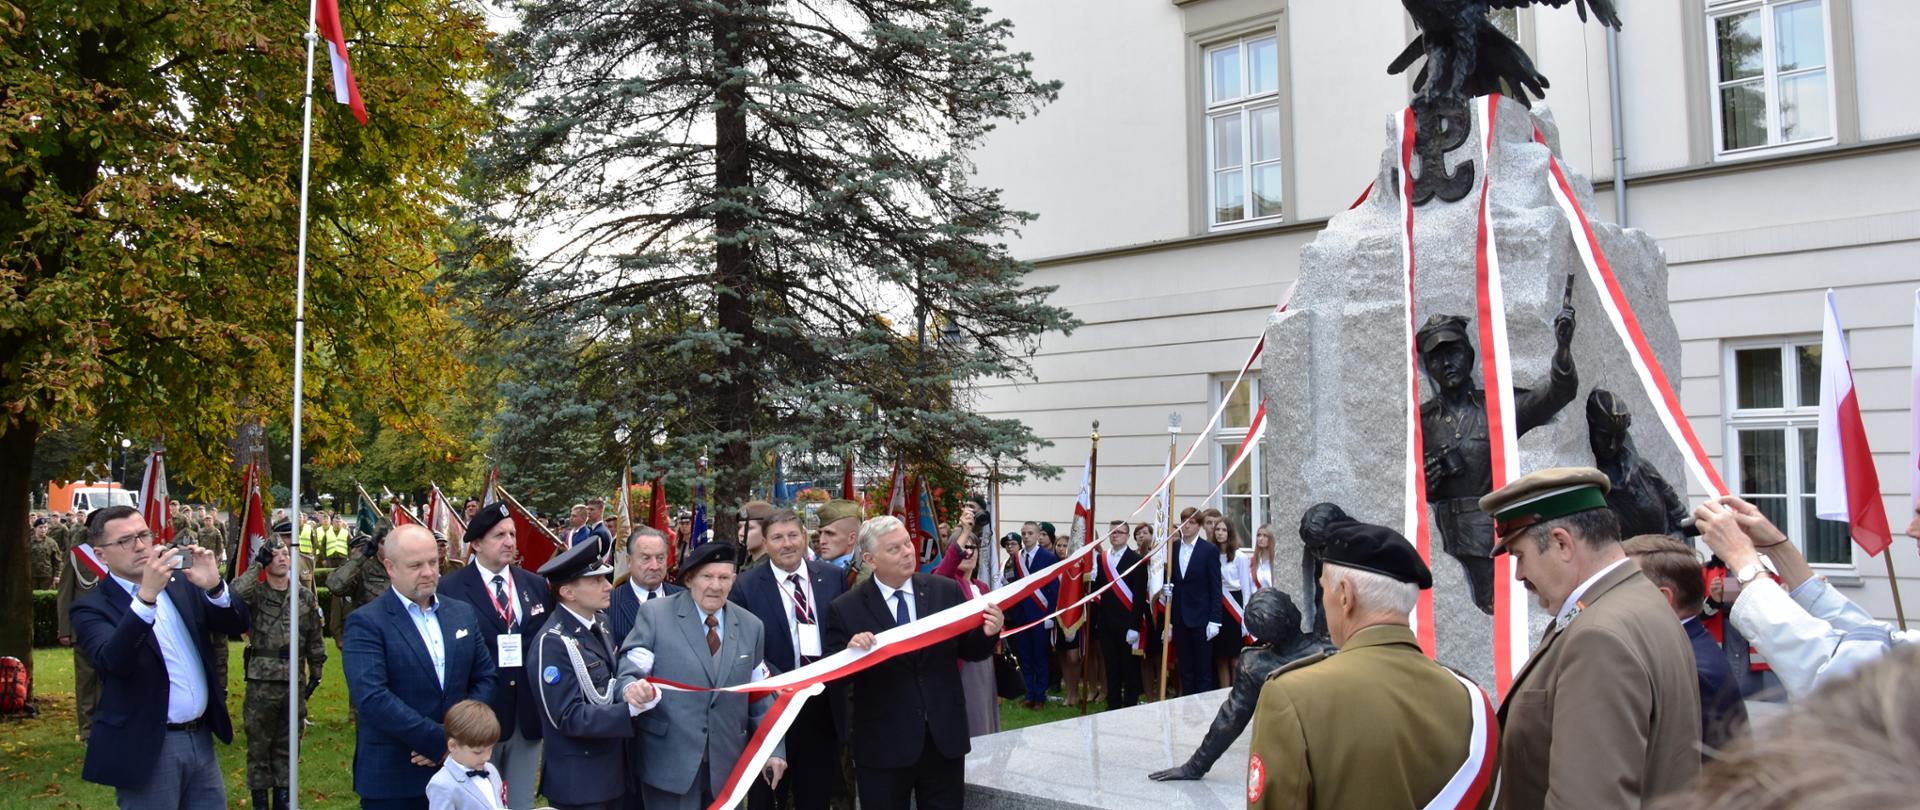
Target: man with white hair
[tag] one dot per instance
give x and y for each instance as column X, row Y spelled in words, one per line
column 1326, row 723
column 909, row 724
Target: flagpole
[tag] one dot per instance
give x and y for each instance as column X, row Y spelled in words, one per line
column 1173, row 443
column 299, row 380
column 1093, row 488
column 1899, row 611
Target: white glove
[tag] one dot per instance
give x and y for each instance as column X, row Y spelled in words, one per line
column 1166, row 592
column 642, row 659
column 1133, row 638
column 1048, row 624
column 1213, row 629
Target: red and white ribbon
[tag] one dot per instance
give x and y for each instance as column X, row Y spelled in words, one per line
column 1233, row 609
column 1414, row 500
column 84, row 556
column 1240, row 455
column 1475, row 775
column 1496, row 369
column 1613, row 300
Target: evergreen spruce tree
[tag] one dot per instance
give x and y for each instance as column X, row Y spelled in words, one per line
column 764, row 206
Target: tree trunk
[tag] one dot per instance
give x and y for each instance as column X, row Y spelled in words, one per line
column 16, row 491
column 733, row 276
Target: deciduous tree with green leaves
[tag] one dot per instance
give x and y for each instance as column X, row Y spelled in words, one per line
column 765, row 207
column 149, row 172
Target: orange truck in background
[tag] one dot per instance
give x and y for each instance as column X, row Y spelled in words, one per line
column 86, row 496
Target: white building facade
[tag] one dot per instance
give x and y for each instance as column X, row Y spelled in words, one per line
column 1197, row 145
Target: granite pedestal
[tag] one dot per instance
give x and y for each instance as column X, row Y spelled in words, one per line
column 1101, row 762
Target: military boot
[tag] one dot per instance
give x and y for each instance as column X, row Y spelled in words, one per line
column 280, row 799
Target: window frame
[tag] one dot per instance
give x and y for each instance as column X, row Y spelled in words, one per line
column 1769, row 79
column 1225, row 440
column 1243, row 105
column 1790, row 418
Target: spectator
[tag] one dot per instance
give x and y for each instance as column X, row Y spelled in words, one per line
column 467, row 781
column 1120, row 615
column 159, row 706
column 1808, row 632
column 646, row 579
column 1233, row 581
column 1607, row 711
column 400, row 695
column 977, row 680
column 1195, row 612
column 1262, row 570
column 909, row 732
column 1674, row 568
column 1031, row 646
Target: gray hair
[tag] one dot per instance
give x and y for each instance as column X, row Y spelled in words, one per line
column 1375, row 592
column 645, row 531
column 876, row 528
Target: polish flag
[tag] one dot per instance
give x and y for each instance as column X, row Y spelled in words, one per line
column 326, row 15
column 1849, row 489
column 154, row 502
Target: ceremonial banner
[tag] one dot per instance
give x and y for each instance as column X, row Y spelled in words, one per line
column 1073, row 585
column 1849, row 487
column 253, row 525
column 536, row 544
column 326, row 17
column 153, row 498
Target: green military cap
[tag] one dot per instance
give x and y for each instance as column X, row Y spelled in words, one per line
column 1543, row 495
column 756, row 510
column 837, row 510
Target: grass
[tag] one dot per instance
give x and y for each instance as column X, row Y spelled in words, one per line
column 40, row 759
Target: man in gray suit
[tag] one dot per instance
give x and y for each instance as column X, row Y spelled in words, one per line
column 688, row 742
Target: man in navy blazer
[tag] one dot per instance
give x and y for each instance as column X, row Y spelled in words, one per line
column 1196, row 607
column 646, row 579
column 409, row 656
column 1673, row 568
column 1033, row 646
column 790, row 595
column 512, row 604
column 147, row 636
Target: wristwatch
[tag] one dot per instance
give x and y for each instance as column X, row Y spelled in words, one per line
column 1749, row 572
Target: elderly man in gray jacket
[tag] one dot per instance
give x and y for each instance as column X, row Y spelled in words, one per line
column 688, row 742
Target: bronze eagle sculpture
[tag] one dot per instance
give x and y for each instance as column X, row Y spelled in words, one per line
column 1468, row 56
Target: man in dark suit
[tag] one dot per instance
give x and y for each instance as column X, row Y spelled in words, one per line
column 1120, row 615
column 409, row 656
column 1194, row 596
column 1032, row 647
column 788, row 594
column 586, row 722
column 646, row 579
column 512, row 603
column 909, row 715
column 1673, row 568
column 147, row 636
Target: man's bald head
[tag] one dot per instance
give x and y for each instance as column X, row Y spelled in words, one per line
column 413, row 562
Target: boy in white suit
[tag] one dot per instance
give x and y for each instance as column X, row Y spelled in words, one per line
column 467, row 780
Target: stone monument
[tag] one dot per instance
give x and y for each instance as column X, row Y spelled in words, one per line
column 1334, row 372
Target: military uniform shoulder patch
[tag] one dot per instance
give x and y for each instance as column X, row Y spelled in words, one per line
column 1299, row 664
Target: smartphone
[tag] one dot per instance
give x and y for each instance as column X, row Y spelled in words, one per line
column 183, row 560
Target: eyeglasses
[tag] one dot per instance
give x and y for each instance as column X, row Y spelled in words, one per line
column 140, row 538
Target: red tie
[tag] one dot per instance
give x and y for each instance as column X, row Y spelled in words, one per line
column 713, row 635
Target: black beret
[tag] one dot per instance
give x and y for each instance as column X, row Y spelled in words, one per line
column 1376, row 549
column 706, row 553
column 484, row 521
column 585, row 559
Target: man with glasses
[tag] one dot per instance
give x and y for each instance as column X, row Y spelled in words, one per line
column 147, row 636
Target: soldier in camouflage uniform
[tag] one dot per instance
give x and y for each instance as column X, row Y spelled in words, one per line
column 265, row 710
column 46, row 557
column 76, row 581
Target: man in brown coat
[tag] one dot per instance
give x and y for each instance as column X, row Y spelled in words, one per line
column 1606, row 714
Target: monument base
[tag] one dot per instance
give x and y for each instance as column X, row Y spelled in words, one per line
column 1101, row 762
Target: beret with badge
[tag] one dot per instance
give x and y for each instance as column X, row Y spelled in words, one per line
column 705, row 554
column 1541, row 496
column 484, row 521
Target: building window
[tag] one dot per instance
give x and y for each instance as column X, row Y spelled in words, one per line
column 1773, row 398
column 1245, row 498
column 1243, row 130
column 1769, row 61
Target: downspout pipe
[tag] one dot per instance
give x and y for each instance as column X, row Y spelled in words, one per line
column 1617, row 112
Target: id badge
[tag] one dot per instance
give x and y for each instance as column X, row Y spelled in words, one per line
column 810, row 640
column 508, row 650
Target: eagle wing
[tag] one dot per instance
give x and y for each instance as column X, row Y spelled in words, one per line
column 1603, row 10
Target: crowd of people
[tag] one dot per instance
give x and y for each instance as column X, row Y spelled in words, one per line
column 478, row 683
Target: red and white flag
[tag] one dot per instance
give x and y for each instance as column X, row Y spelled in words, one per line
column 1849, row 488
column 326, row 17
column 153, row 498
column 1073, row 585
column 253, row 524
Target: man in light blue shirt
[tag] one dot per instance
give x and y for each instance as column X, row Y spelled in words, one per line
column 148, row 638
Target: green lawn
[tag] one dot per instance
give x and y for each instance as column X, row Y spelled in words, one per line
column 40, row 759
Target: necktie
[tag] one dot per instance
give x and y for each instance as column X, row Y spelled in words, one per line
column 476, row 774
column 900, row 608
column 802, row 613
column 713, row 635
column 505, row 604
column 651, row 595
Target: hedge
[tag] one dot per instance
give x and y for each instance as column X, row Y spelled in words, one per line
column 46, row 607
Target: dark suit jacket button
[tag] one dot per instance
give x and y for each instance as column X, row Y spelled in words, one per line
column 513, row 683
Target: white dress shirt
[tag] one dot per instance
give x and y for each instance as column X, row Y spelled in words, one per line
column 427, row 621
column 643, row 594
column 1573, row 599
column 785, row 587
column 186, row 673
column 506, row 578
column 886, row 595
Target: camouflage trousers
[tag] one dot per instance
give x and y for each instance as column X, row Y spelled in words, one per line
column 264, row 718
